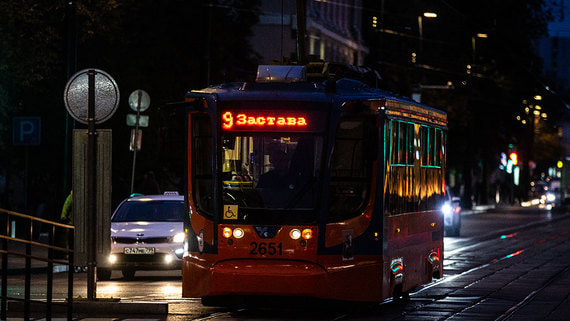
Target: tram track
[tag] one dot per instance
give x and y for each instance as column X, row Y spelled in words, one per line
column 510, row 312
column 536, row 247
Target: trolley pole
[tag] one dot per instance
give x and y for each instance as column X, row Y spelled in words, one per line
column 92, row 189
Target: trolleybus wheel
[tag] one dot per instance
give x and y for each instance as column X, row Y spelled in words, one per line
column 103, row 274
column 128, row 273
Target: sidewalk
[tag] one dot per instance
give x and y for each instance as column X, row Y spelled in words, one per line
column 17, row 262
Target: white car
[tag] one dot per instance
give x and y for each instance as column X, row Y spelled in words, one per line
column 451, row 209
column 147, row 233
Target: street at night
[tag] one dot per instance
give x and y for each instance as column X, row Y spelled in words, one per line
column 509, row 264
column 284, row 160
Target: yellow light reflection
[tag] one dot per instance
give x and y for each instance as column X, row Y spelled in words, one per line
column 171, row 290
column 110, row 290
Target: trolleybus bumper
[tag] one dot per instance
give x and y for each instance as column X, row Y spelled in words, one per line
column 266, row 277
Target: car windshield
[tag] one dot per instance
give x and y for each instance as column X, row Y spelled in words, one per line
column 271, row 173
column 150, row 211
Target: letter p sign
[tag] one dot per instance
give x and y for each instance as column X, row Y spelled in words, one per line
column 26, row 130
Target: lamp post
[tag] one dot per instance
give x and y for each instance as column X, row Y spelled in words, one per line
column 474, row 44
column 430, row 15
column 418, row 58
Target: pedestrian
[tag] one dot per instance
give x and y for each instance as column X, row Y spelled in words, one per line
column 67, row 210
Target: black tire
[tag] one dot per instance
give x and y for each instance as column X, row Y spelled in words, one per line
column 457, row 230
column 103, row 274
column 452, row 231
column 128, row 273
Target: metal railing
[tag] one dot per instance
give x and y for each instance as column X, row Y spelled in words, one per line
column 21, row 249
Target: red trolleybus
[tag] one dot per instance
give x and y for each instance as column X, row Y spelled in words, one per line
column 300, row 188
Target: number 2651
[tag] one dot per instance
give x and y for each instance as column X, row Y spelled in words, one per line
column 263, row 248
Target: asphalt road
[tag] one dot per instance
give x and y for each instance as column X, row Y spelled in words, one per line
column 509, row 263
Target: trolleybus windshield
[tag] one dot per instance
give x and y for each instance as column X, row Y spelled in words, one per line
column 271, row 178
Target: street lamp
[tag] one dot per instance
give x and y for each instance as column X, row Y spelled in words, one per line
column 474, row 44
column 430, row 15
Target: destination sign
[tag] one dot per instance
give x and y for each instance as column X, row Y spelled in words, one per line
column 266, row 121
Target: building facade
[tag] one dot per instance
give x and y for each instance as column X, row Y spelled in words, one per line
column 333, row 31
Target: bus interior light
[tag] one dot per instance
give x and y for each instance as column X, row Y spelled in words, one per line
column 295, row 234
column 227, row 232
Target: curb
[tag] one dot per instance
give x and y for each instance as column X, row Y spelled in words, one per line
column 38, row 270
column 96, row 308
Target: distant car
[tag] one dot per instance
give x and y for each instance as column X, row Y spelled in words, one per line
column 147, row 233
column 451, row 209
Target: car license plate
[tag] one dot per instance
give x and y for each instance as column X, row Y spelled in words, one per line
column 139, row 250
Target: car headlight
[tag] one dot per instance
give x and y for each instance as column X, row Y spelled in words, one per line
column 178, row 238
column 446, row 209
column 550, row 197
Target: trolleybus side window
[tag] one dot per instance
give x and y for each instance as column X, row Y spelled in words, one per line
column 202, row 164
column 432, row 143
column 402, row 147
column 414, row 156
column 354, row 151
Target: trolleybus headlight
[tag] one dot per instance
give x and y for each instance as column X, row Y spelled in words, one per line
column 227, row 232
column 238, row 233
column 178, row 238
column 295, row 234
column 307, row 234
column 168, row 258
column 112, row 258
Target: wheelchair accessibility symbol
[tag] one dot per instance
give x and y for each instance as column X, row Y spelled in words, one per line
column 230, row 212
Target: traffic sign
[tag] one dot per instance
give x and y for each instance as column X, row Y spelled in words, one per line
column 132, row 120
column 139, row 99
column 26, row 130
column 76, row 95
column 135, row 141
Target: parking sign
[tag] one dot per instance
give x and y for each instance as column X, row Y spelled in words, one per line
column 26, row 130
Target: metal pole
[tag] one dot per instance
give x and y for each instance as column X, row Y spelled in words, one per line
column 71, row 266
column 420, row 47
column 28, row 276
column 135, row 143
column 91, row 188
column 49, row 290
column 3, row 305
column 71, row 69
column 301, row 30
